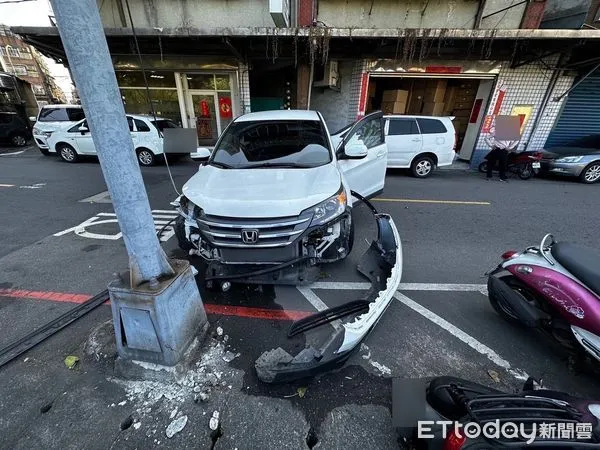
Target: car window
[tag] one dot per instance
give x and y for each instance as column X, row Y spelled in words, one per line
column 61, row 115
column 161, row 124
column 300, row 143
column 141, row 125
column 343, row 130
column 75, row 129
column 430, row 126
column 400, row 127
column 6, row 118
column 370, row 132
column 130, row 123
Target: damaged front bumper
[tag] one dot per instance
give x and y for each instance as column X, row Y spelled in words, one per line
column 382, row 265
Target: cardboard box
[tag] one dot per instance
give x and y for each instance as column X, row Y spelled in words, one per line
column 415, row 106
column 437, row 91
column 433, row 108
column 397, row 95
column 450, row 96
column 393, row 107
column 461, row 113
column 371, row 91
column 463, row 105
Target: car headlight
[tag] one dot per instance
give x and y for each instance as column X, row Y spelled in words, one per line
column 570, row 159
column 187, row 208
column 36, row 130
column 329, row 209
column 47, row 133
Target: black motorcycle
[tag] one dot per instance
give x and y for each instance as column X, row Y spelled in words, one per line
column 549, row 419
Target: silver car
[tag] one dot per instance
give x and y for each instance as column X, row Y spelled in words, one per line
column 579, row 158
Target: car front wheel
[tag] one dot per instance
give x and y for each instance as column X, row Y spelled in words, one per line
column 422, row 167
column 67, row 153
column 145, row 157
column 591, row 174
column 18, row 140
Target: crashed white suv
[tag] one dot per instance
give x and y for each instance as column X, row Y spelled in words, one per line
column 274, row 198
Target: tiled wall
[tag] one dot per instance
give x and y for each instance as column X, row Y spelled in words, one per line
column 360, row 67
column 244, row 87
column 335, row 105
column 526, row 85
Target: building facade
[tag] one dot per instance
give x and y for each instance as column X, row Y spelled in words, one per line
column 209, row 61
column 23, row 61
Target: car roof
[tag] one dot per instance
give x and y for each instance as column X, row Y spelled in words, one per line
column 281, row 114
column 62, row 106
column 406, row 116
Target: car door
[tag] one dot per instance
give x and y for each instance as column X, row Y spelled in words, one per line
column 84, row 142
column 403, row 140
column 145, row 136
column 435, row 136
column 367, row 174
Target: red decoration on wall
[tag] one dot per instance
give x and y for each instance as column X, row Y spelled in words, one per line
column 364, row 87
column 476, row 110
column 204, row 109
column 443, row 69
column 225, row 107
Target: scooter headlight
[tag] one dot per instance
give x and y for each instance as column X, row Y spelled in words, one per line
column 330, row 209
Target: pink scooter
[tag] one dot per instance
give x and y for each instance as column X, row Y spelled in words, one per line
column 554, row 287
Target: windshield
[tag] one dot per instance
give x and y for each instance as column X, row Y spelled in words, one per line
column 61, row 115
column 285, row 143
column 161, row 124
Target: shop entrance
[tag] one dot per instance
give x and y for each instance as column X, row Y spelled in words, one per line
column 203, row 106
column 463, row 97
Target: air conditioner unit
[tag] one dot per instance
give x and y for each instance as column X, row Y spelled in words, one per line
column 280, row 12
column 331, row 76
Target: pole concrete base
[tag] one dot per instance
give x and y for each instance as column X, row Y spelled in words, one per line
column 157, row 325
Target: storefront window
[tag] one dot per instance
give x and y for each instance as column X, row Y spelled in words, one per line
column 225, row 109
column 165, row 103
column 136, row 79
column 222, row 82
column 204, row 82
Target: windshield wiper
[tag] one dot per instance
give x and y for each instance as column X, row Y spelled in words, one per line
column 220, row 164
column 283, row 165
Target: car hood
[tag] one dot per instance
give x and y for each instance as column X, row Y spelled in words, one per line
column 267, row 192
column 561, row 152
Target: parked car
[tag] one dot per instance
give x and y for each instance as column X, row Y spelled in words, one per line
column 420, row 143
column 72, row 140
column 579, row 158
column 13, row 129
column 275, row 190
column 52, row 117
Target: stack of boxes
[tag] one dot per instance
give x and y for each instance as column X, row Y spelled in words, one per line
column 459, row 103
column 394, row 101
column 433, row 101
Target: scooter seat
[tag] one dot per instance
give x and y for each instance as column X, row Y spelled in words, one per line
column 581, row 262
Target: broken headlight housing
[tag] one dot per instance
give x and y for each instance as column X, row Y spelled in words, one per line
column 187, row 208
column 331, row 208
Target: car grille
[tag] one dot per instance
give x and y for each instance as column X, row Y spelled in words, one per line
column 272, row 232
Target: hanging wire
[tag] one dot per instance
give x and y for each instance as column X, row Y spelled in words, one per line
column 148, row 95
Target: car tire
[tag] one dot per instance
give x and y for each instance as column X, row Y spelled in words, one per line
column 18, row 140
column 422, row 167
column 67, row 153
column 145, row 157
column 483, row 167
column 591, row 174
column 182, row 241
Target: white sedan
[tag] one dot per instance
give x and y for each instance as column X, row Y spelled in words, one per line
column 71, row 141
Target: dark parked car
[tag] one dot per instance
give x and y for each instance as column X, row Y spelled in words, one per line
column 579, row 158
column 13, row 129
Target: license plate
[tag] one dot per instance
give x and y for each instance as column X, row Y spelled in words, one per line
column 536, row 165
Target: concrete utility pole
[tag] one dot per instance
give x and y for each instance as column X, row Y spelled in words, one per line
column 158, row 311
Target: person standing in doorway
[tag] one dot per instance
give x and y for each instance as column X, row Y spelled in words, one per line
column 499, row 154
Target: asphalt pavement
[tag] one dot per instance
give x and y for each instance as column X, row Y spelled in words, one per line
column 60, row 244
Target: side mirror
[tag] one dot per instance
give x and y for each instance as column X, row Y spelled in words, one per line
column 355, row 150
column 83, row 129
column 201, row 154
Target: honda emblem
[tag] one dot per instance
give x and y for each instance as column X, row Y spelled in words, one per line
column 249, row 236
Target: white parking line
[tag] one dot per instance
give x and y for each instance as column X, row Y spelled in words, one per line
column 13, row 153
column 318, row 304
column 461, row 335
column 358, row 286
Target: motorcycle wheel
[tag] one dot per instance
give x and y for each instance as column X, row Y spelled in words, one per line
column 483, row 167
column 504, row 310
column 526, row 172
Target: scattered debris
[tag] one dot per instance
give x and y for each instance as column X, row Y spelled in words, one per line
column 348, row 378
column 494, row 375
column 173, row 414
column 301, row 391
column 229, row 356
column 137, row 425
column 176, row 426
column 26, row 359
column 122, row 403
column 383, row 369
column 213, row 423
column 71, row 361
column 33, row 186
column 219, row 331
column 365, row 348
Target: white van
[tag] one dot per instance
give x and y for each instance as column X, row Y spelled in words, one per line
column 51, row 118
column 420, row 143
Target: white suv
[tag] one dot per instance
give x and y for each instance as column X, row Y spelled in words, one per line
column 51, row 118
column 420, row 143
column 72, row 140
column 275, row 191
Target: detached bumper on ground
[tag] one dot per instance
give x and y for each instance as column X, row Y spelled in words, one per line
column 382, row 265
